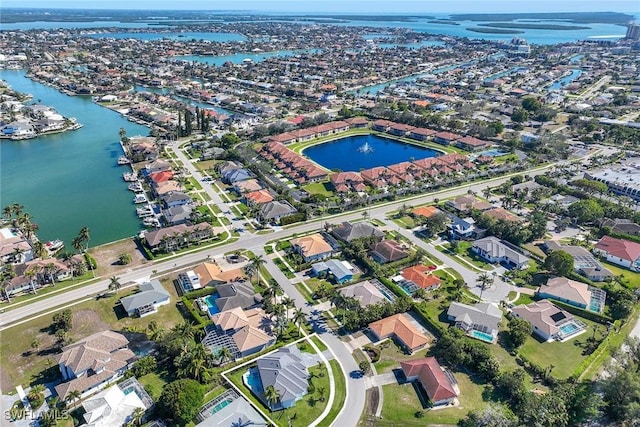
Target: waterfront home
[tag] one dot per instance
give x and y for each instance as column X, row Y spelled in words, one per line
column 387, row 251
column 446, row 138
column 14, row 248
column 420, row 276
column 286, row 372
column 366, row 293
column 239, row 293
column 440, row 384
column 313, row 247
column 584, row 262
column 116, row 405
column 341, row 271
column 401, row 328
column 93, row 362
column 574, row 293
column 142, row 149
column 470, row 143
column 151, row 295
column 158, row 165
column 348, row 232
column 624, row 253
column 166, row 187
column 344, row 182
column 18, row 130
column 357, row 122
column 381, row 125
column 175, row 198
column 421, row 134
column 495, row 251
column 276, row 210
column 158, row 177
column 243, row 332
column 400, row 129
column 177, row 236
column 548, row 321
column 480, row 321
column 465, row 203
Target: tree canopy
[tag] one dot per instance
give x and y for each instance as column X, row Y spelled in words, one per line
column 181, row 400
column 559, row 263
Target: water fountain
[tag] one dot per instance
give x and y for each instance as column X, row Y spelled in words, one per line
column 365, row 148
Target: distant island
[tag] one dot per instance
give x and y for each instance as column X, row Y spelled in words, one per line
column 616, row 18
column 484, row 30
column 443, row 22
column 534, row 26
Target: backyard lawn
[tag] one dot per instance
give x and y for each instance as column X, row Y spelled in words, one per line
column 319, row 188
column 401, row 403
column 391, row 355
column 630, row 277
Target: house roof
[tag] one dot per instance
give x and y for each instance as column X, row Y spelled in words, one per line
column 483, row 314
column 564, row 288
column 285, row 371
column 498, row 249
column 175, row 196
column 543, row 315
column 236, row 414
column 421, row 276
column 212, row 273
column 154, row 238
column 501, row 213
column 620, row 248
column 259, row 196
column 434, row 380
column 337, row 268
column 401, row 327
column 150, row 292
column 231, row 319
column 110, row 407
column 389, row 250
column 248, row 185
column 426, row 211
column 466, row 202
column 314, row 244
column 276, row 209
column 237, row 294
column 350, row 231
column 365, row 292
column 250, row 337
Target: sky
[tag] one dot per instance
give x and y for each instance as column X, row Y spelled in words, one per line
column 345, row 6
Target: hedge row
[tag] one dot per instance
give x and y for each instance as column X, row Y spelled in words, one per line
column 594, row 317
column 195, row 313
column 586, row 362
column 199, row 293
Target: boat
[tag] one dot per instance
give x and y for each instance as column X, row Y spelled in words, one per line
column 144, row 211
column 151, row 222
column 122, row 160
column 136, row 187
column 140, row 198
column 54, row 245
column 129, row 177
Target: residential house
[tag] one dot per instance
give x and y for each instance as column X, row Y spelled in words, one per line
column 258, row 197
column 175, row 198
column 470, row 143
column 440, row 384
column 239, row 293
column 480, row 321
column 366, row 293
column 446, row 138
column 276, row 210
column 243, row 332
column 426, row 211
column 401, row 328
column 169, row 238
column 622, row 225
column 466, row 203
column 584, row 262
column 151, row 295
column 388, row 251
column 574, row 293
column 381, row 125
column 116, row 405
column 341, row 271
column 464, row 229
column 621, row 252
column 158, row 165
column 313, row 247
column 503, row 214
column 421, row 276
column 548, row 321
column 285, row 371
column 421, row 134
column 208, row 274
column 14, row 248
column 236, row 175
column 238, row 413
column 348, row 232
column 166, row 187
column 181, row 214
column 93, row 362
column 495, row 250
column 228, row 166
column 247, row 186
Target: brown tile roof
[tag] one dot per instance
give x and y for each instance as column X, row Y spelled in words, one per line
column 432, row 378
column 312, row 245
column 426, row 211
column 210, row 273
column 501, row 213
column 401, row 327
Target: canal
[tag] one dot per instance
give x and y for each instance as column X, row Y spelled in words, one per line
column 70, row 180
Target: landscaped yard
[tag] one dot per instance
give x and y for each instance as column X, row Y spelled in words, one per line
column 404, row 221
column 463, row 250
column 391, row 355
column 319, row 188
column 630, row 277
column 401, row 403
column 564, row 357
column 154, row 382
column 20, row 364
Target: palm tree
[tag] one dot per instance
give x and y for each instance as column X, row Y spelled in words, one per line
column 49, row 269
column 54, row 402
column 137, row 416
column 85, row 236
column 287, row 303
column 272, row 396
column 299, row 317
column 17, row 209
column 114, row 284
column 7, row 211
column 30, row 274
column 3, row 286
column 73, row 396
column 254, row 266
column 76, row 242
column 223, row 355
column 485, row 281
column 186, row 330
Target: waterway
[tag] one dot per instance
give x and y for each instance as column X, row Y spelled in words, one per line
column 186, row 36
column 237, row 58
column 558, row 84
column 70, row 180
column 343, row 154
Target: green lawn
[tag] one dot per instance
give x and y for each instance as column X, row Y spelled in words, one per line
column 21, row 365
column 405, row 221
column 464, row 251
column 631, row 277
column 340, row 394
column 319, row 343
column 83, row 280
column 563, row 356
column 524, row 299
column 401, row 403
column 391, row 355
column 153, row 383
column 319, row 188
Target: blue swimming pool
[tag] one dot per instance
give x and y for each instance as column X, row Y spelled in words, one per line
column 482, row 336
column 211, row 303
column 221, row 405
column 569, row 328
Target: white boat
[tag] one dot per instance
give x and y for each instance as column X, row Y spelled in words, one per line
column 54, row 245
column 140, row 198
column 122, row 160
column 136, row 187
column 129, row 177
column 144, row 211
column 151, row 222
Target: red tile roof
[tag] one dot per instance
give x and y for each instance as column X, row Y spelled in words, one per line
column 620, row 248
column 421, row 276
column 432, row 378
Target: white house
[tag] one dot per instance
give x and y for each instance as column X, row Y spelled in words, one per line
column 620, row 252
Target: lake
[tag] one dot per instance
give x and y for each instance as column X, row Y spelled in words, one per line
column 343, row 154
column 70, row 180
